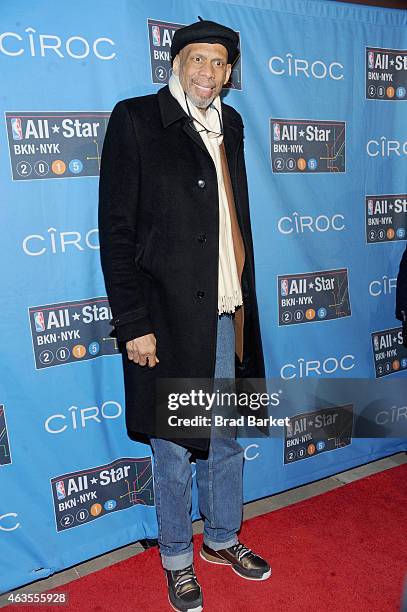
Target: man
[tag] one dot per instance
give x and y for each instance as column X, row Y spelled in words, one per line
column 177, row 256
column 401, row 296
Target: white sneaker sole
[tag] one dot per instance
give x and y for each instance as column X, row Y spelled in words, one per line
column 226, row 564
column 197, row 609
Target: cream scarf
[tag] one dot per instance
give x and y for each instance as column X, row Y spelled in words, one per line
column 229, row 289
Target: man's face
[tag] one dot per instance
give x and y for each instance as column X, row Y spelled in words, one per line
column 203, row 70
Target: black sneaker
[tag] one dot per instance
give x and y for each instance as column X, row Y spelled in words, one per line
column 184, row 591
column 242, row 560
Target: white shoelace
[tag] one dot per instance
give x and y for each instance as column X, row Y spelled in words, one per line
column 185, row 576
column 241, row 551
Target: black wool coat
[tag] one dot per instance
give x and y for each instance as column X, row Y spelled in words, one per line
column 159, row 224
column 401, row 293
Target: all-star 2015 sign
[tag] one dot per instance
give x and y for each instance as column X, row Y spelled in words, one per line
column 69, row 332
column 389, row 354
column 386, row 74
column 81, row 497
column 311, row 433
column 386, row 218
column 307, row 146
column 51, row 145
column 313, row 296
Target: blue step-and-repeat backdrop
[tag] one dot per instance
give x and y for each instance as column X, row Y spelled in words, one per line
column 322, row 90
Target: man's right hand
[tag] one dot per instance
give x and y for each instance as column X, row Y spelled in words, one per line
column 142, row 350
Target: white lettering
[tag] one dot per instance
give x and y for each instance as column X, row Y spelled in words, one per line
column 36, row 244
column 299, row 224
column 58, row 423
column 43, row 45
column 4, row 517
column 384, row 286
column 385, row 148
column 303, row 368
column 249, row 457
column 302, row 67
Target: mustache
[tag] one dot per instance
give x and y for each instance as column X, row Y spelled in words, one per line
column 209, row 85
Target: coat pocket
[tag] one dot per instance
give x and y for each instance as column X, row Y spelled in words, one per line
column 148, row 255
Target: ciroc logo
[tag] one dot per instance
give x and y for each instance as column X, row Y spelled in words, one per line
column 298, row 67
column 33, row 44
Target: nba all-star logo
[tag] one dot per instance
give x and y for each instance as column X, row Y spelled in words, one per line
column 312, row 433
column 5, row 457
column 313, row 296
column 52, row 145
column 386, row 74
column 386, row 218
column 307, row 146
column 81, row 497
column 390, row 356
column 160, row 35
column 69, row 332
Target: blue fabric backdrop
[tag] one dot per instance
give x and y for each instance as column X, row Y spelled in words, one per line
column 322, row 90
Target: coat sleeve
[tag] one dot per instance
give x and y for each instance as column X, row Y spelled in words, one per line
column 401, row 293
column 118, row 208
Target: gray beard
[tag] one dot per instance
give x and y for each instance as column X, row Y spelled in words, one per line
column 202, row 104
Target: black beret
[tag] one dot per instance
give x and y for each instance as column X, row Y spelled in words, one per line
column 206, row 32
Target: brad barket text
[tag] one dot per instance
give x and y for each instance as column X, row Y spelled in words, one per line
column 220, row 421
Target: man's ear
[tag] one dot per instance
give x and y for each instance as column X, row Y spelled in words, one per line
column 228, row 71
column 175, row 65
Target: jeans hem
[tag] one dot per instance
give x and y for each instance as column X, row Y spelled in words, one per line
column 177, row 562
column 220, row 545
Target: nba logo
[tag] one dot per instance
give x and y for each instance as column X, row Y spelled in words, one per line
column 16, row 128
column 39, row 321
column 370, row 207
column 156, row 36
column 284, row 287
column 276, row 131
column 371, row 59
column 289, row 430
column 60, row 489
column 376, row 343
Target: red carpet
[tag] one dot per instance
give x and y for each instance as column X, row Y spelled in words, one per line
column 344, row 550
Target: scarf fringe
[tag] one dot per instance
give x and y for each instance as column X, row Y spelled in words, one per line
column 229, row 303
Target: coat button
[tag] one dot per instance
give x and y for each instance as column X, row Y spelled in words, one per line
column 201, row 183
column 202, row 238
column 200, row 294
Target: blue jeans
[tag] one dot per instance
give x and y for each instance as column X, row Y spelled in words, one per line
column 219, row 478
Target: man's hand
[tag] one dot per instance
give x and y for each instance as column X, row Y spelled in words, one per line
column 142, row 350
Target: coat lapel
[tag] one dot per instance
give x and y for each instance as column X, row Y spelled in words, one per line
column 188, row 129
column 171, row 112
column 233, row 134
